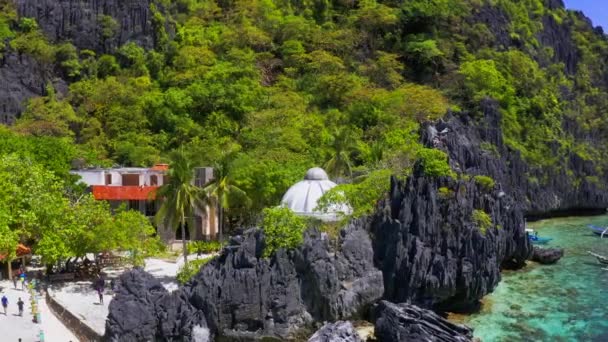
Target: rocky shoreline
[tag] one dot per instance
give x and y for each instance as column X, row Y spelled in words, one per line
column 420, row 248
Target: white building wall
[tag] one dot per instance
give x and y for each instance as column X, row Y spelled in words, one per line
column 90, row 177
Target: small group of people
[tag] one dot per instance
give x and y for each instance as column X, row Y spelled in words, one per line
column 5, row 303
column 19, row 277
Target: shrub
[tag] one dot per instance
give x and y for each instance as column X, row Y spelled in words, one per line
column 445, row 192
column 482, row 220
column 434, row 162
column 282, row 229
column 362, row 196
column 485, row 181
column 191, row 269
column 204, row 247
column 490, row 148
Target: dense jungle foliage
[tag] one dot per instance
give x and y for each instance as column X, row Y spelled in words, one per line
column 273, row 87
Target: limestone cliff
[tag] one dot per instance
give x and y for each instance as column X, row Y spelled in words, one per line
column 99, row 25
column 476, row 147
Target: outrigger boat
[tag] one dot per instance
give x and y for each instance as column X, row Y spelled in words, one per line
column 537, row 240
column 598, row 230
column 602, row 259
column 534, row 238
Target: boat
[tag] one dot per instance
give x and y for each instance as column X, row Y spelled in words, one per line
column 598, row 230
column 537, row 240
column 602, row 259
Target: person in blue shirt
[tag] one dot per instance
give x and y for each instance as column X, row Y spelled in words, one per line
column 4, row 304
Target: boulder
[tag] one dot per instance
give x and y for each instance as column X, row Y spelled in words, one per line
column 547, row 256
column 406, row 322
column 143, row 310
column 336, row 332
column 132, row 314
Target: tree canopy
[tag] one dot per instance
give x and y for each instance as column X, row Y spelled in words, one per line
column 285, row 85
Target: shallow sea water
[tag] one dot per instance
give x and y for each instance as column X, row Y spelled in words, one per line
column 567, row 301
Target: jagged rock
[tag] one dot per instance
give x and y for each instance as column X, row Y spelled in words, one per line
column 21, row 77
column 431, row 252
column 132, row 314
column 81, row 21
column 539, row 192
column 243, row 293
column 336, row 332
column 547, row 256
column 246, row 297
column 143, row 310
column 405, row 322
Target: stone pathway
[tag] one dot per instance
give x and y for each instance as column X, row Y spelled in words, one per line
column 13, row 327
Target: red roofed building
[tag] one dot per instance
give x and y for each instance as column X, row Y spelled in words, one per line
column 136, row 188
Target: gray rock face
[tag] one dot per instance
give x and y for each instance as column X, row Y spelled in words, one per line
column 246, row 297
column 21, row 77
column 547, row 256
column 242, row 293
column 336, row 332
column 431, row 251
column 81, row 21
column 539, row 192
column 143, row 310
column 405, row 322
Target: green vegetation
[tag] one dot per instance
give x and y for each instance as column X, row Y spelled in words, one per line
column 268, row 89
column 282, row 229
column 435, row 163
column 189, row 270
column 220, row 191
column 59, row 222
column 204, row 247
column 445, row 192
column 181, row 197
column 486, row 182
column 482, row 220
column 361, row 196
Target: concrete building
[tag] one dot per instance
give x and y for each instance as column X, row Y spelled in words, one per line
column 136, row 188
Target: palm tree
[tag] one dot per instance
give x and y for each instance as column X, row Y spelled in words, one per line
column 220, row 190
column 343, row 144
column 181, row 198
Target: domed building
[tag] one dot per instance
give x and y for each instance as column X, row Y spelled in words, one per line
column 302, row 197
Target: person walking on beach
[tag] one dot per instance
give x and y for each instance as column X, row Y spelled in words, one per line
column 20, row 306
column 4, row 304
column 100, row 286
column 23, row 281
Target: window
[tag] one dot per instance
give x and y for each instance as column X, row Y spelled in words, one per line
column 130, row 179
column 154, row 180
column 150, row 208
column 108, row 179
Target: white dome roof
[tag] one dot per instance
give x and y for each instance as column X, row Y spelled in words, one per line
column 303, row 196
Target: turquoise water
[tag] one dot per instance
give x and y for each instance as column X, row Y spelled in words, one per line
column 563, row 302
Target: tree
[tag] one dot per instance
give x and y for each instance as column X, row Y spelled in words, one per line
column 181, row 197
column 220, row 190
column 343, row 144
column 282, row 229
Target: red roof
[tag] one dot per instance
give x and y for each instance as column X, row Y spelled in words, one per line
column 121, row 193
column 21, row 251
column 160, row 167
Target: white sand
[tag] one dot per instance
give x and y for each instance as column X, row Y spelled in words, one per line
column 13, row 327
column 81, row 299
